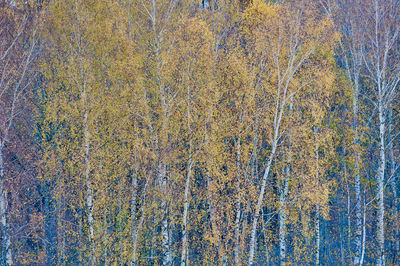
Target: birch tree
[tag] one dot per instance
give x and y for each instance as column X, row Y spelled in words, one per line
column 291, row 50
column 381, row 61
column 77, row 77
column 191, row 66
column 18, row 51
column 351, row 47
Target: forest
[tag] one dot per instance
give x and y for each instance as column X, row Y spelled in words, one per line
column 199, row 132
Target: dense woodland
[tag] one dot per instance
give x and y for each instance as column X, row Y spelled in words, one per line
column 191, row 132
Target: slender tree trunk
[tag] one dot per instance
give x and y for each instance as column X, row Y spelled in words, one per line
column 348, row 221
column 318, row 234
column 89, row 195
column 259, row 204
column 165, row 224
column 105, row 241
column 363, row 233
column 280, row 109
column 138, row 227
column 394, row 189
column 238, row 207
column 282, row 217
column 6, row 249
column 153, row 233
column 237, row 228
column 185, row 215
column 283, row 199
column 348, row 215
column 357, row 185
column 134, row 216
column 158, row 36
column 380, row 183
column 80, row 235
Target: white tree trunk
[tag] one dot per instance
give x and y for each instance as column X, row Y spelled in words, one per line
column 259, row 204
column 380, row 183
column 89, row 196
column 237, row 228
column 357, row 185
column 283, row 218
column 363, row 234
column 185, row 215
column 167, row 259
column 348, row 214
column 283, row 199
column 393, row 187
column 238, row 207
column 348, row 220
column 6, row 249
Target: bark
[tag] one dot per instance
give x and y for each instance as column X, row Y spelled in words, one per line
column 167, row 259
column 392, row 182
column 89, row 192
column 280, row 109
column 238, row 207
column 17, row 88
column 348, row 220
column 237, row 228
column 363, row 234
column 105, row 242
column 353, row 60
column 138, row 228
column 357, row 185
column 318, row 236
column 6, row 249
column 82, row 84
column 380, row 184
column 134, row 216
column 348, row 206
column 163, row 179
column 283, row 217
column 259, row 205
column 283, row 199
column 185, row 215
